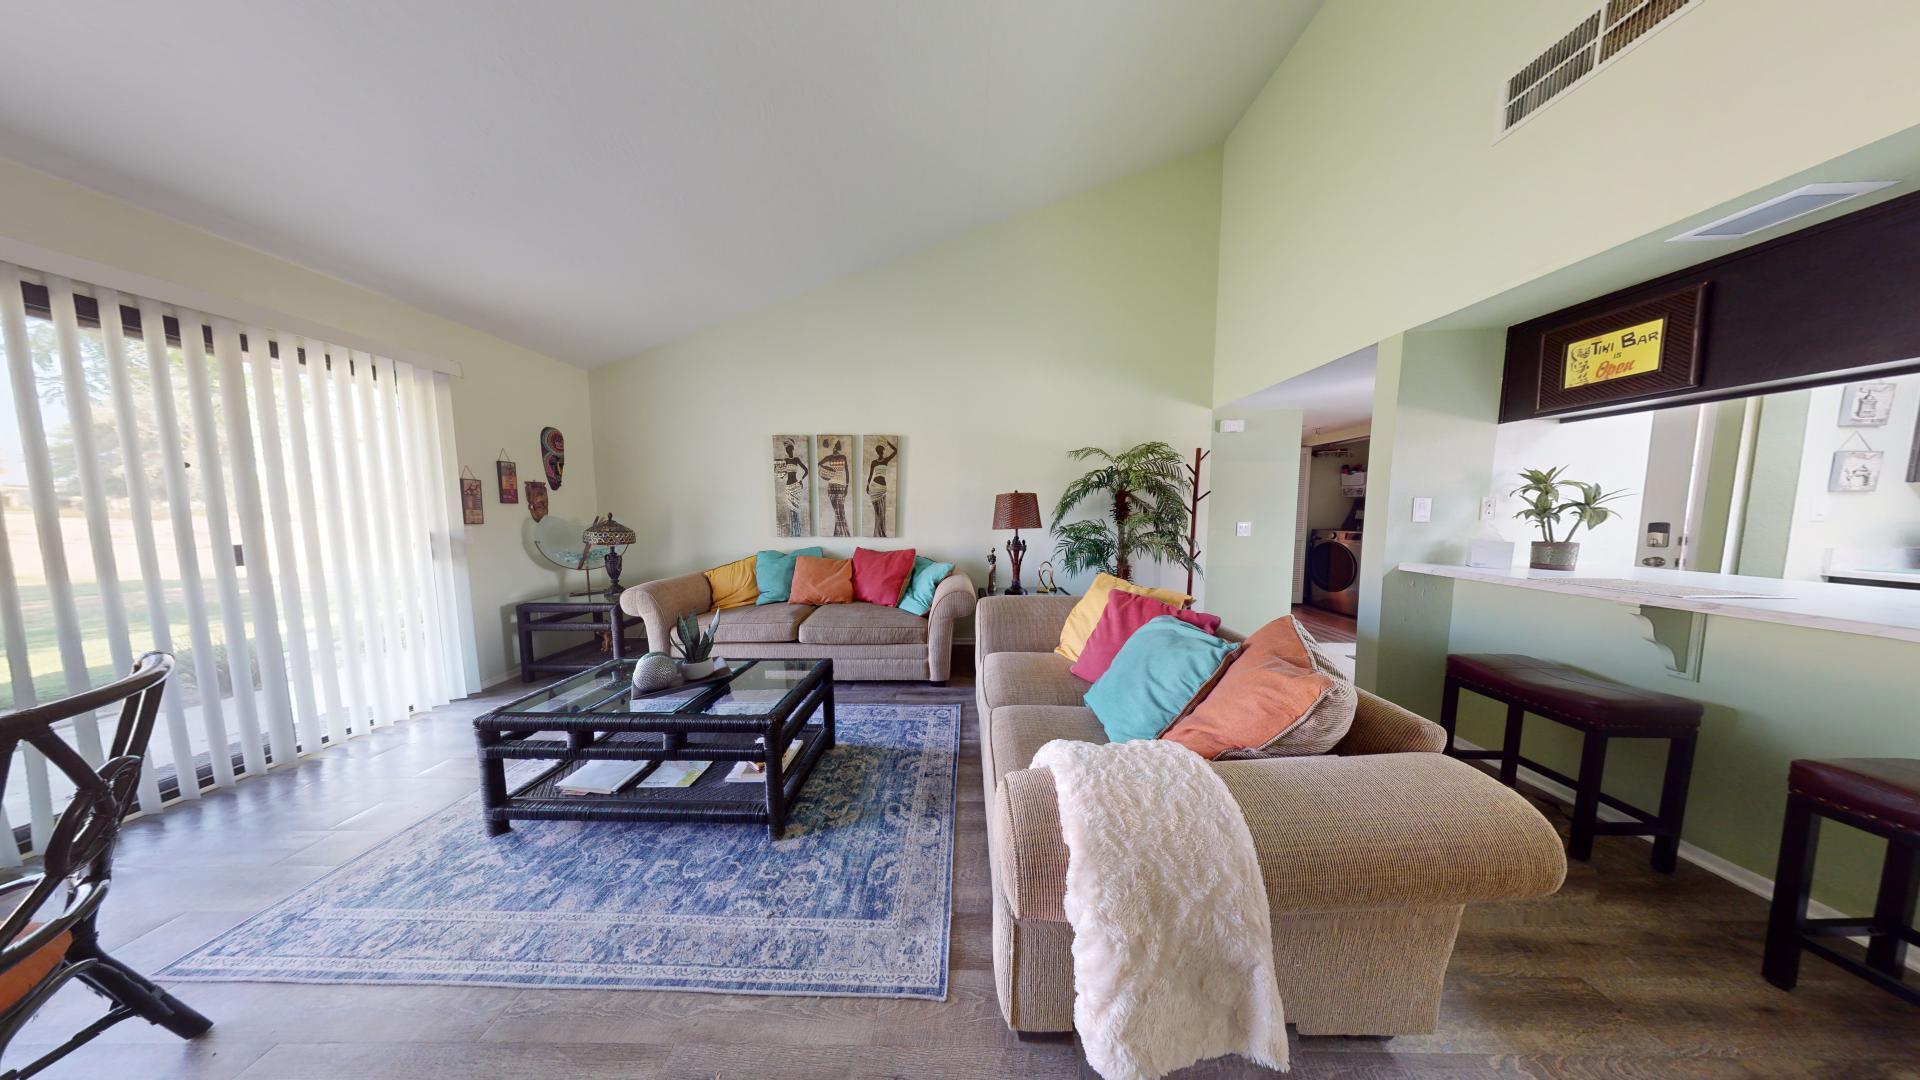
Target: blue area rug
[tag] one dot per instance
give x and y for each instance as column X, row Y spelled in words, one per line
column 856, row 900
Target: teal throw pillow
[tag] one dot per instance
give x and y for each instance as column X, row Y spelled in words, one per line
column 1153, row 677
column 773, row 572
column 926, row 577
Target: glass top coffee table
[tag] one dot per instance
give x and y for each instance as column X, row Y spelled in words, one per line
column 774, row 715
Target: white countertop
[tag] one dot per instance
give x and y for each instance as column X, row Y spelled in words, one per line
column 1816, row 605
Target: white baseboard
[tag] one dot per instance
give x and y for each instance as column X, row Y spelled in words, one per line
column 1724, row 869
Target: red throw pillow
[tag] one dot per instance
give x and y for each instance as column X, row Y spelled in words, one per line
column 879, row 577
column 1127, row 612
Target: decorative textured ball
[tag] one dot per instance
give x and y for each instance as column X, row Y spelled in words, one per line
column 655, row 671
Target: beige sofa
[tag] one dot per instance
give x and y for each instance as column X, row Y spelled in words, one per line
column 1369, row 853
column 865, row 641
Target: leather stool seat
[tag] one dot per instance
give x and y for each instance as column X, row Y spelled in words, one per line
column 1882, row 789
column 1572, row 696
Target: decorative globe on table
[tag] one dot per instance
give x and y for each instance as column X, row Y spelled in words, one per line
column 655, row 671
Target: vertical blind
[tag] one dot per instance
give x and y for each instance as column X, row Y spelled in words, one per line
column 274, row 510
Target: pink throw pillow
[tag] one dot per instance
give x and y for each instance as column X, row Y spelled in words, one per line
column 1127, row 612
column 879, row 577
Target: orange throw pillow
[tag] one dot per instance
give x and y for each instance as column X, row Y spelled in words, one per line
column 822, row 581
column 1273, row 701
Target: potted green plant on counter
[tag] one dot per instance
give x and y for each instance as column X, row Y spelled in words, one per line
column 1543, row 491
column 1147, row 517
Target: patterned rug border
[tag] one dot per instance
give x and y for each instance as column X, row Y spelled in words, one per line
column 463, row 805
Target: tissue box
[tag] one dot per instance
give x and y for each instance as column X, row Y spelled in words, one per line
column 1490, row 554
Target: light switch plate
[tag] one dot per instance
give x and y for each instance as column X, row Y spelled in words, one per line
column 1244, row 528
column 1422, row 509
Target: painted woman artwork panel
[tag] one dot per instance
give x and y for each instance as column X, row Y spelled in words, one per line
column 792, row 482
column 833, row 473
column 880, row 485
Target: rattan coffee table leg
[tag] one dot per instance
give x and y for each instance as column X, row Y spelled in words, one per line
column 493, row 785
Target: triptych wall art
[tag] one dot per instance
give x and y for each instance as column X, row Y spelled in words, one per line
column 836, row 485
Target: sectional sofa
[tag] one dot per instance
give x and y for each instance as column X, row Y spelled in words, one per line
column 1369, row 853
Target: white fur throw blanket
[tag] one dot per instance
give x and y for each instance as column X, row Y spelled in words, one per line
column 1172, row 947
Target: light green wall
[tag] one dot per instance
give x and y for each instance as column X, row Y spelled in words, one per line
column 506, row 396
column 1772, row 693
column 1255, row 478
column 1434, row 402
column 1089, row 322
column 1709, row 545
column 1364, row 193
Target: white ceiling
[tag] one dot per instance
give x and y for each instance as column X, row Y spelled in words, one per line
column 589, row 179
column 1334, row 396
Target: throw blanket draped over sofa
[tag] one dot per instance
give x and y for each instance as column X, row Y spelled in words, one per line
column 1172, row 958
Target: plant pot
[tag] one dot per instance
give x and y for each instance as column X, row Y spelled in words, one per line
column 698, row 669
column 1560, row 555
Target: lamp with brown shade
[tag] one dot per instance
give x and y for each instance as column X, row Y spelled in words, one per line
column 1016, row 510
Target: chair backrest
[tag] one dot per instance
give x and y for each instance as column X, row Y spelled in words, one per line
column 80, row 850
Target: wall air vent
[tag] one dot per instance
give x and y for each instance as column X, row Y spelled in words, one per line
column 1780, row 208
column 1597, row 41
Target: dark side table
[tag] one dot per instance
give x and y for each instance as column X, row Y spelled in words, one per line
column 592, row 613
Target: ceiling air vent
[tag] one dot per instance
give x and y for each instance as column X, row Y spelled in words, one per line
column 1766, row 215
column 1597, row 41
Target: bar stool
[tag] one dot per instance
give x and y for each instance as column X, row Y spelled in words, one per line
column 1881, row 796
column 1602, row 710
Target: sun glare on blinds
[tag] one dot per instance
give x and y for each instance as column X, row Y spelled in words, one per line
column 271, row 509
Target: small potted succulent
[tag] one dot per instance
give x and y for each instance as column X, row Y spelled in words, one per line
column 696, row 646
column 1542, row 491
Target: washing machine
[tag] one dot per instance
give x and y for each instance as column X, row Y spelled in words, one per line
column 1333, row 570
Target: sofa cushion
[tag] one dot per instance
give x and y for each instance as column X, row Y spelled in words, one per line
column 1162, row 668
column 773, row 572
column 1272, row 702
column 733, row 584
column 822, row 581
column 880, row 577
column 926, row 578
column 1127, row 612
column 766, row 622
column 1013, row 678
column 1019, row 731
column 1086, row 613
column 863, row 624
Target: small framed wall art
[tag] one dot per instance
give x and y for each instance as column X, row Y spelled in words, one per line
column 1855, row 470
column 472, row 508
column 1866, row 404
column 509, row 475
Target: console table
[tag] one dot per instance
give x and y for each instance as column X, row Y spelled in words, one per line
column 593, row 613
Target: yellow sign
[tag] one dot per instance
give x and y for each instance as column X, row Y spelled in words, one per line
column 1614, row 355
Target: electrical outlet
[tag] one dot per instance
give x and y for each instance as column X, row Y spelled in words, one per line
column 1486, row 508
column 1244, row 528
column 1422, row 509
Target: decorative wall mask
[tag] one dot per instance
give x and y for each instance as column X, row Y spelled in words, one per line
column 536, row 499
column 553, row 455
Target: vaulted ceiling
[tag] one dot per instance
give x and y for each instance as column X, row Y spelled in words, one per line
column 590, row 179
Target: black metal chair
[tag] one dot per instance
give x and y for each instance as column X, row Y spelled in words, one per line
column 41, row 957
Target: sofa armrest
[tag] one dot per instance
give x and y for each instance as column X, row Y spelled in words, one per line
column 1019, row 624
column 1332, row 834
column 661, row 603
column 1381, row 727
column 953, row 600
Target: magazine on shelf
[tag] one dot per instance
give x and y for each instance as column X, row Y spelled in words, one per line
column 601, row 777
column 753, row 772
column 675, row 774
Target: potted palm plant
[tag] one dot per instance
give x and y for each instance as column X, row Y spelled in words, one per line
column 696, row 646
column 1541, row 490
column 1145, row 490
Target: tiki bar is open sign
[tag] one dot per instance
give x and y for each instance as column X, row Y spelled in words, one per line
column 1652, row 347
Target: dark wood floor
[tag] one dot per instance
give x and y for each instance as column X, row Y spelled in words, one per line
column 1623, row 974
column 1331, row 627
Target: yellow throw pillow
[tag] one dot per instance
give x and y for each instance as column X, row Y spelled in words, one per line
column 1086, row 614
column 734, row 585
